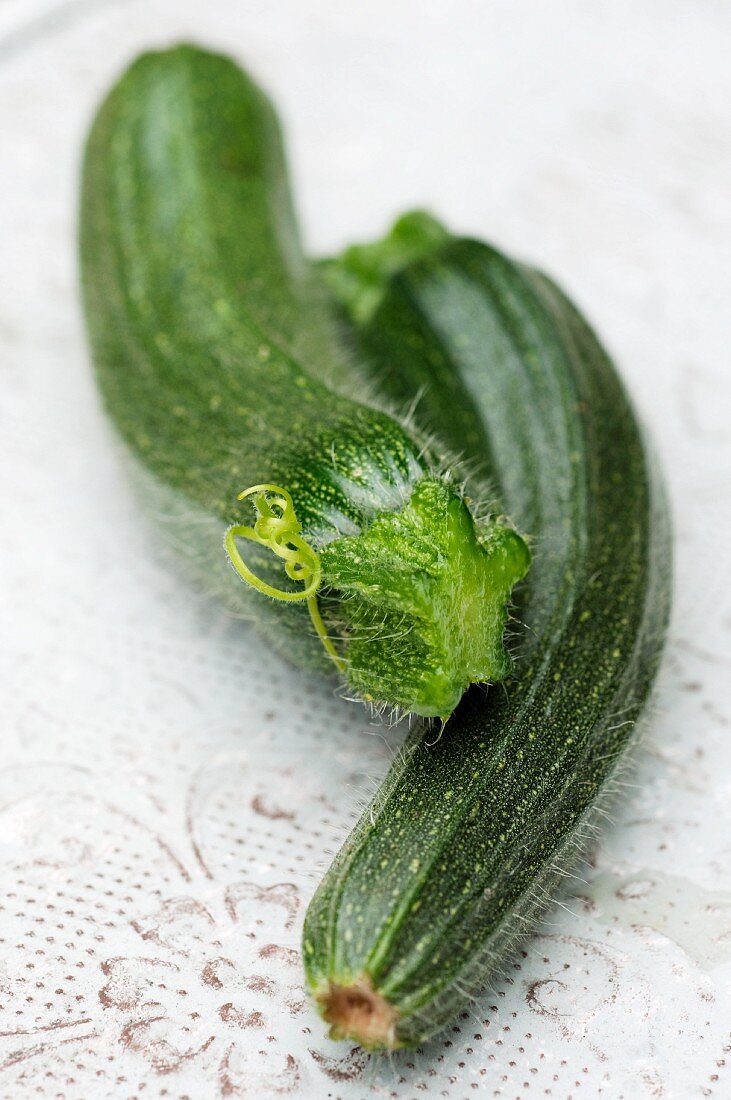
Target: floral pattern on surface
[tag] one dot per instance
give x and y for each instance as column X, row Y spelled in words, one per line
column 212, row 977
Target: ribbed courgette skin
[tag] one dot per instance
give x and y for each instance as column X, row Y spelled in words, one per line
column 220, row 376
column 463, row 843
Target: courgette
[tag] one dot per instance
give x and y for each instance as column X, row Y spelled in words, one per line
column 229, row 393
column 470, row 833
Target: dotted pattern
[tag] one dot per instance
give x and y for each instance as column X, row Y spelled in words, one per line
column 169, row 791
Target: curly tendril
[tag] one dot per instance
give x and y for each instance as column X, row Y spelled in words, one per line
column 278, row 528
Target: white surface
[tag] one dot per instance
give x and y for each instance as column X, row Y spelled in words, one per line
column 160, row 774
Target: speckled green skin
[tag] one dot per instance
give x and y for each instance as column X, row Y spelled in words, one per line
column 219, row 374
column 466, row 838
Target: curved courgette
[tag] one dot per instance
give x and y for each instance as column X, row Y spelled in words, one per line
column 224, row 384
column 469, row 833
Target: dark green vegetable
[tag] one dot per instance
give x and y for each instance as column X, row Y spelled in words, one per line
column 222, row 376
column 223, row 382
column 469, row 833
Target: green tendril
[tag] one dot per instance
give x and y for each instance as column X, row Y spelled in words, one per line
column 278, row 528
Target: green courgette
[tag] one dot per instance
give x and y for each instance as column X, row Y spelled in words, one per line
column 229, row 393
column 471, row 832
